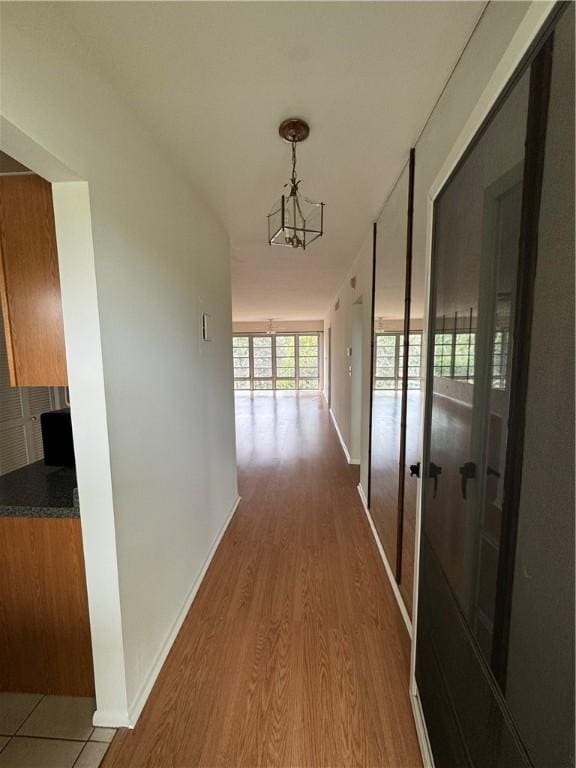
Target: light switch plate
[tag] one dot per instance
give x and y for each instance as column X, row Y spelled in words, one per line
column 206, row 327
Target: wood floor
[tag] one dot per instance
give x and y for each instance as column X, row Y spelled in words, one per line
column 294, row 652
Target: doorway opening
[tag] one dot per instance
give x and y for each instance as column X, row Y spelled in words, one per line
column 47, row 688
column 77, row 303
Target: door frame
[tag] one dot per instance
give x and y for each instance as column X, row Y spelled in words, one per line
column 483, row 357
column 73, row 221
column 372, row 364
column 329, row 368
column 534, row 26
column 405, row 364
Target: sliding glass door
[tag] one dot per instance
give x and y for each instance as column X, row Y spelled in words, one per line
column 484, row 584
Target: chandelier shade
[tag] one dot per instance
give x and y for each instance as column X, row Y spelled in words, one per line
column 295, row 221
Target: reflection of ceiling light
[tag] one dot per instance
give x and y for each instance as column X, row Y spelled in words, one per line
column 295, row 221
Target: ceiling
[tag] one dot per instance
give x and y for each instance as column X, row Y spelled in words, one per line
column 214, row 80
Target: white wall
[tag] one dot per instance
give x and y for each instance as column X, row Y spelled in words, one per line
column 467, row 82
column 160, row 259
column 341, row 323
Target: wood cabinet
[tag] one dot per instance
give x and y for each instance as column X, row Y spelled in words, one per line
column 30, row 283
column 45, row 642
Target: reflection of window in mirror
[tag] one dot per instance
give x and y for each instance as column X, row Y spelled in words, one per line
column 455, row 347
column 501, row 344
column 389, row 360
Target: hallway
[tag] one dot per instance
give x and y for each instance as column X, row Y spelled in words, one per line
column 294, row 652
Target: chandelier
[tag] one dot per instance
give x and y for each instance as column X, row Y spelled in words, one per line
column 295, row 221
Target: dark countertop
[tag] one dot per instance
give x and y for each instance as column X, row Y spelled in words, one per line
column 39, row 491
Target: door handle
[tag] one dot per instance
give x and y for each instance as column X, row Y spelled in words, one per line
column 434, row 471
column 468, row 472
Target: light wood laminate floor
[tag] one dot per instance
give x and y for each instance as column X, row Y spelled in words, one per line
column 293, row 652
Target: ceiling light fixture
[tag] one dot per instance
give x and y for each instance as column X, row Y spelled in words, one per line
column 295, row 221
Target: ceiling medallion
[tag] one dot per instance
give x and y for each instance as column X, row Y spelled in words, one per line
column 295, row 221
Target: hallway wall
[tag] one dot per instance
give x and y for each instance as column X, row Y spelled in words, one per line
column 161, row 259
column 340, row 320
column 470, row 76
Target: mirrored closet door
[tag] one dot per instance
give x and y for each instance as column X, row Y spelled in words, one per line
column 396, row 384
column 495, row 634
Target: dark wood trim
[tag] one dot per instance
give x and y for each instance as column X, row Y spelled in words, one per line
column 372, row 349
column 539, row 97
column 404, row 405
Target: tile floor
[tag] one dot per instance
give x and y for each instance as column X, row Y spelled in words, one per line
column 50, row 732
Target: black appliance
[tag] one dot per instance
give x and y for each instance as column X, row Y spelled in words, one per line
column 57, row 438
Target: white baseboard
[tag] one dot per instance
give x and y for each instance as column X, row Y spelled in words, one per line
column 342, row 443
column 421, row 730
column 362, row 495
column 135, row 709
column 110, row 718
column 389, row 571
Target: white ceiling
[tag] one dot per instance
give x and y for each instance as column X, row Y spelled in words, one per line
column 214, row 80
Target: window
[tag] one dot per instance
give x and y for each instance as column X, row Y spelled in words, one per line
column 241, row 354
column 285, row 362
column 308, row 364
column 276, row 361
column 262, row 362
column 389, row 360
